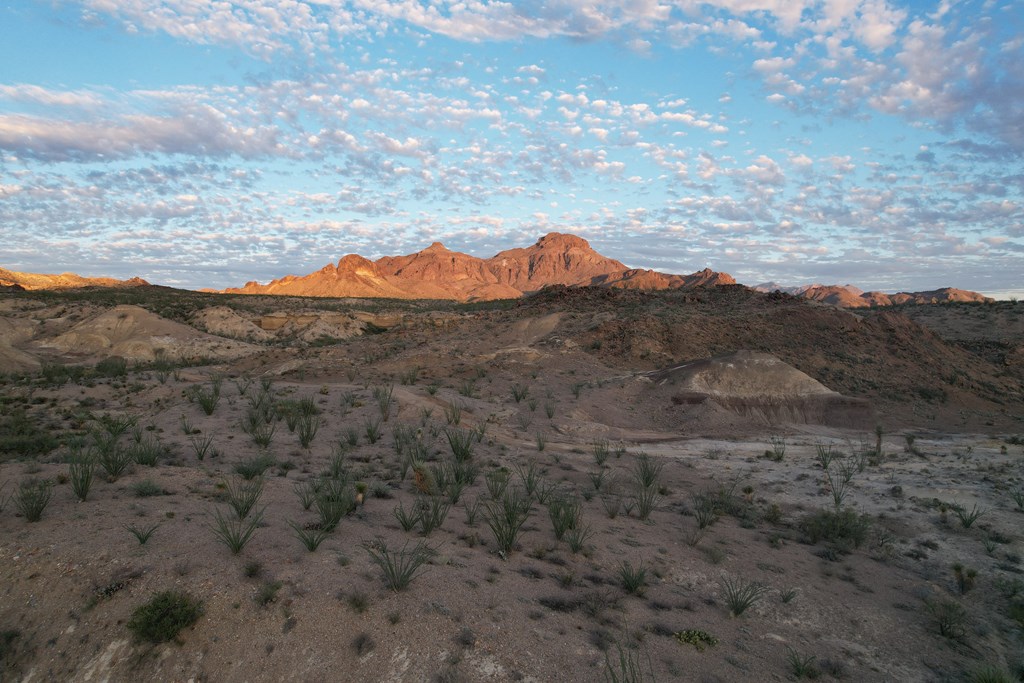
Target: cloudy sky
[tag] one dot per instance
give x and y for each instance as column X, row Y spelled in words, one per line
column 874, row 142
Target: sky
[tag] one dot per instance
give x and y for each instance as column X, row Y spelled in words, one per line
column 207, row 144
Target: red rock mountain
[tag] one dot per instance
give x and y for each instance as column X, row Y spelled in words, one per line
column 11, row 279
column 438, row 273
column 846, row 296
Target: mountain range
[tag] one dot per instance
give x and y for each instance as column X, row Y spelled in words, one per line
column 848, row 296
column 439, row 273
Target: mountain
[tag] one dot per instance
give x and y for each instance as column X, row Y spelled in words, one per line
column 439, row 273
column 848, row 296
column 13, row 280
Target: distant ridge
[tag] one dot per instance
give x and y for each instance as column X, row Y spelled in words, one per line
column 13, row 280
column 848, row 296
column 439, row 273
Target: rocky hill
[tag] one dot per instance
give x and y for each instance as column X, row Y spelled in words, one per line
column 439, row 273
column 848, row 296
column 13, row 280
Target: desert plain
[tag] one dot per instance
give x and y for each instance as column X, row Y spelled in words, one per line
column 585, row 484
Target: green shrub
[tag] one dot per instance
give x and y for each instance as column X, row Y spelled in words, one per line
column 843, row 530
column 114, row 366
column 399, row 566
column 506, row 518
column 164, row 616
column 21, row 437
column 32, row 497
column 741, row 595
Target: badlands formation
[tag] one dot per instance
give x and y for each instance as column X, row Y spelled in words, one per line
column 540, row 466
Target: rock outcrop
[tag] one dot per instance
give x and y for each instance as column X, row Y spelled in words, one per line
column 439, row 273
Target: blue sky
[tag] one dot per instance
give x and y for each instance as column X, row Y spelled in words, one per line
column 204, row 144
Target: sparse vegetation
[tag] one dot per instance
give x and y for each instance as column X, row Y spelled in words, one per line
column 164, row 616
column 740, row 595
column 31, row 498
column 399, row 566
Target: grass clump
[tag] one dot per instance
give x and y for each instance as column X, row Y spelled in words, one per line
column 242, row 495
column 741, row 595
column 842, row 530
column 399, row 566
column 255, row 466
column 80, row 474
column 142, row 534
column 147, row 488
column 234, row 532
column 164, row 616
column 32, row 497
column 626, row 667
column 802, row 666
column 506, row 517
column 949, row 616
column 311, row 538
column 967, row 517
column 633, row 579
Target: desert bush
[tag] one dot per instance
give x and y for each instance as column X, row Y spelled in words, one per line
column 433, row 510
column 627, row 667
column 305, row 491
column 311, row 538
column 407, row 519
column 31, row 498
column 372, row 430
column 259, row 430
column 633, row 579
column 843, row 530
column 741, row 595
column 802, row 666
column 384, row 396
column 825, row 455
column 453, row 413
column 646, row 472
column 335, row 499
column 267, row 592
column 1017, row 495
column 80, row 474
column 577, row 537
column 778, row 449
column 646, row 500
column 399, row 566
column 255, row 466
column 111, row 457
column 242, row 495
column 496, row 482
column 164, row 616
column 989, row 673
column 235, row 532
column 529, row 476
column 506, row 517
column 207, row 399
column 965, row 577
column 202, row 445
column 307, row 427
column 21, row 436
column 967, row 517
column 949, row 616
column 142, row 534
column 461, row 442
column 565, row 513
column 146, row 488
column 519, row 392
column 114, row 366
column 146, row 452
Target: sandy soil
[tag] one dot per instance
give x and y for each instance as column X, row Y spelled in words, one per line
column 71, row 581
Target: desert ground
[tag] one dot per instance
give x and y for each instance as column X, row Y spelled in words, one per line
column 582, row 485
